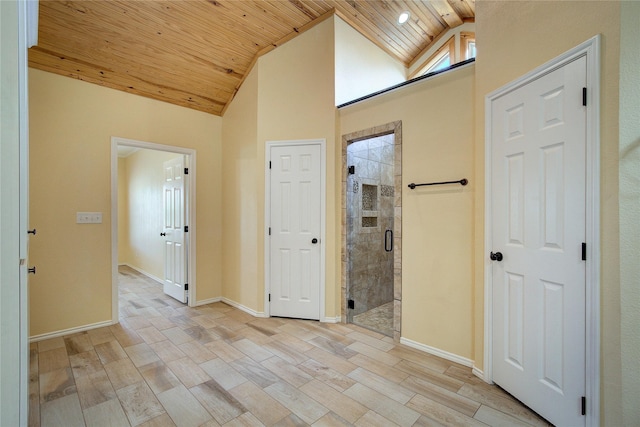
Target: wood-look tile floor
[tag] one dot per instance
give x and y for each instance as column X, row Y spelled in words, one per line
column 166, row 364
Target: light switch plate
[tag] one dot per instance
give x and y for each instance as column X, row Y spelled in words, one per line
column 88, row 217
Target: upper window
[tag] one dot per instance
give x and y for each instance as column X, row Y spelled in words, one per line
column 458, row 48
column 440, row 64
column 468, row 45
column 442, row 59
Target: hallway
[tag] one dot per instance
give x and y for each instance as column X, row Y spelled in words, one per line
column 167, row 364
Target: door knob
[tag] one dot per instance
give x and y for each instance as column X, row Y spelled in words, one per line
column 496, row 256
column 163, row 234
column 314, row 240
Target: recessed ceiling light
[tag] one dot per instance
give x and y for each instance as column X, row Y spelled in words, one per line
column 404, row 17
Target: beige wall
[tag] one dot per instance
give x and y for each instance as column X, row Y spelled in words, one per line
column 240, row 191
column 361, row 66
column 437, row 145
column 298, row 79
column 514, row 38
column 143, row 211
column 72, row 123
column 629, row 209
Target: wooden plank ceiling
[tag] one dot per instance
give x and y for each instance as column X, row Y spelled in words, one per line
column 196, row 53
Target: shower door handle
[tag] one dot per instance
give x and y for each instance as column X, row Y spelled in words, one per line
column 388, row 241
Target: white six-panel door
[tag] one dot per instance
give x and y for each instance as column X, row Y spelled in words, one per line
column 175, row 253
column 295, row 213
column 538, row 226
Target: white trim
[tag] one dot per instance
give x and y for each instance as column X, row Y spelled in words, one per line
column 591, row 50
column 28, row 37
column 144, row 273
column 336, row 319
column 437, row 352
column 244, row 308
column 323, row 216
column 191, row 214
column 70, row 331
column 477, row 372
column 207, row 301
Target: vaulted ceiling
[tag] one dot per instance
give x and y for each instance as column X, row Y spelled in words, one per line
column 196, row 53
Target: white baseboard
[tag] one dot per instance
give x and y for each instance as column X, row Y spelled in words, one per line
column 55, row 334
column 480, row 374
column 437, row 352
column 243, row 308
column 207, row 301
column 144, row 273
column 331, row 319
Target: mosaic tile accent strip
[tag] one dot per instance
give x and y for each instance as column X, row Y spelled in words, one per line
column 369, row 197
column 369, row 221
column 387, row 190
column 356, row 187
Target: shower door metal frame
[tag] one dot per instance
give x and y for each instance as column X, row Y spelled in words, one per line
column 394, row 128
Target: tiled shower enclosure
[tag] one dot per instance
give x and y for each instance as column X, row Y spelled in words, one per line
column 370, row 205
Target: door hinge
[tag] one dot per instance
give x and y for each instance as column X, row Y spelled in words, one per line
column 269, row 231
column 269, row 164
column 584, row 96
column 186, row 286
column 269, row 297
column 351, row 304
column 584, row 405
column 584, row 251
column 186, row 171
column 351, row 170
column 186, row 228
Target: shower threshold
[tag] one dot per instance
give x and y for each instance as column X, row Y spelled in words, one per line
column 379, row 319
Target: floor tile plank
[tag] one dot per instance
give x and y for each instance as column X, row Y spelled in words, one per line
column 388, row 408
column 64, row 411
column 343, row 406
column 106, row 414
column 298, row 403
column 122, row 373
column 183, row 408
column 159, row 377
column 189, row 373
column 94, row 389
column 264, row 407
column 139, row 403
column 223, row 373
column 220, row 403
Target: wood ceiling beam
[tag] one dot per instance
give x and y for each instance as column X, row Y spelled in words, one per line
column 447, row 13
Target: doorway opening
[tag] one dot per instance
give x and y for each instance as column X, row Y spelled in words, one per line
column 141, row 235
column 372, row 188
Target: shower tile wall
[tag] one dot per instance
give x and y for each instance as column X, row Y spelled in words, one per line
column 370, row 212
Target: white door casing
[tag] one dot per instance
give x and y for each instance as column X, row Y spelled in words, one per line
column 540, row 209
column 175, row 245
column 18, row 32
column 296, row 247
